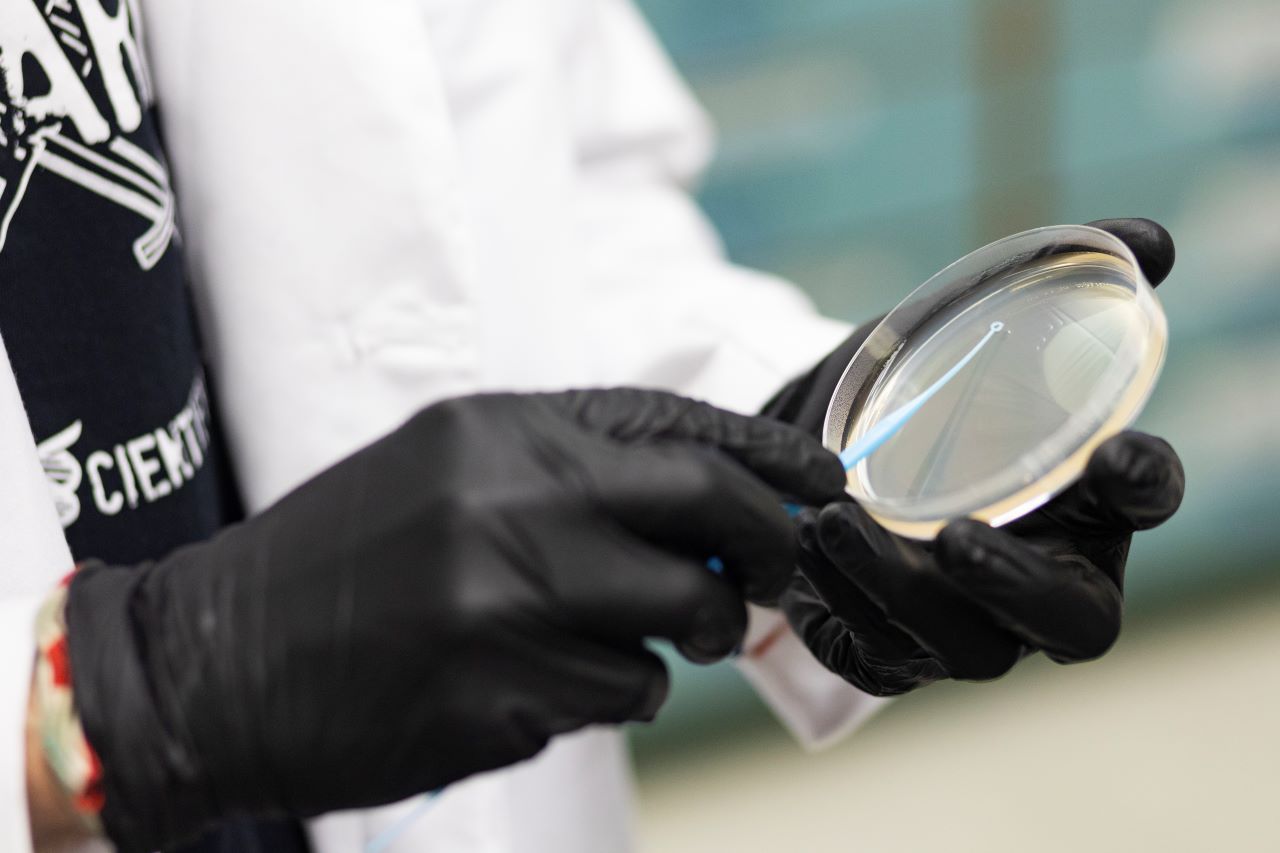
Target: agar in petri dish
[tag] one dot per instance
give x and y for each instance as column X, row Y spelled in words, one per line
column 984, row 392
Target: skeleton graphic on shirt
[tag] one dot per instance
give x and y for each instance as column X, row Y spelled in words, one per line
column 73, row 85
column 53, row 55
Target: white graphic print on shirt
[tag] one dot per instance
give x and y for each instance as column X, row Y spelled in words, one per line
column 142, row 469
column 50, row 52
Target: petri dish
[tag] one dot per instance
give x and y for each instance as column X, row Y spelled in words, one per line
column 985, row 391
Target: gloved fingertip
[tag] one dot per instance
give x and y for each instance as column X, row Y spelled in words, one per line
column 846, row 534
column 806, row 522
column 653, row 696
column 1137, row 477
column 836, row 523
column 715, row 632
column 1156, row 253
column 1115, row 457
column 827, row 474
column 986, row 558
column 1150, row 242
column 700, row 656
column 810, row 472
column 962, row 541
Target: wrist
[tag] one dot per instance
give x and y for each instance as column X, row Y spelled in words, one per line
column 52, row 815
column 57, row 821
column 63, row 774
column 155, row 790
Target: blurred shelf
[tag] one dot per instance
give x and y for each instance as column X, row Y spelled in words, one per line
column 860, row 155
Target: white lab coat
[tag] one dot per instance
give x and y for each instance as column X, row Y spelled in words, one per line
column 388, row 203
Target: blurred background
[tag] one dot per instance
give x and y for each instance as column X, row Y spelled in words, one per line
column 864, row 145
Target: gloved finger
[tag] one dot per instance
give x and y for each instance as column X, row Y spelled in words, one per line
column 917, row 598
column 569, row 683
column 782, row 455
column 1151, row 244
column 1133, row 481
column 847, row 603
column 597, row 683
column 633, row 691
column 697, row 502
column 653, row 683
column 844, row 598
column 841, row 648
column 625, row 589
column 1066, row 606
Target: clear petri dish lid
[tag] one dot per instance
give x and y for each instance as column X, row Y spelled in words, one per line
column 984, row 392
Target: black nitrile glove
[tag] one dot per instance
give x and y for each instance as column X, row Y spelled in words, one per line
column 441, row 603
column 890, row 614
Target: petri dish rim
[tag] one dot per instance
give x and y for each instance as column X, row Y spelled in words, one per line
column 880, row 352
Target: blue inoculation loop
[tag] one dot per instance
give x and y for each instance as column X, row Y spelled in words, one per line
column 889, row 425
column 383, row 840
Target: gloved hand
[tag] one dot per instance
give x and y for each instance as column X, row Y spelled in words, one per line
column 890, row 614
column 441, row 603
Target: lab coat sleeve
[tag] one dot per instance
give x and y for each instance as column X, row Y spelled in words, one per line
column 33, row 556
column 657, row 272
column 655, row 268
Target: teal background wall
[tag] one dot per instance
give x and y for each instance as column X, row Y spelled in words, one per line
column 867, row 143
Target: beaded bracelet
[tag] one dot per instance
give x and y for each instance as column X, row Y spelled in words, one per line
column 72, row 759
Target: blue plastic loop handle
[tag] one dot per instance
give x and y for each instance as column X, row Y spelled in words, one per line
column 889, row 425
column 388, row 836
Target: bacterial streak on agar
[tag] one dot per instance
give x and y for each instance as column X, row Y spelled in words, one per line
column 897, row 419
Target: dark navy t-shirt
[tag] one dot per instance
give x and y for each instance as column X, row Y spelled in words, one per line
column 94, row 308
